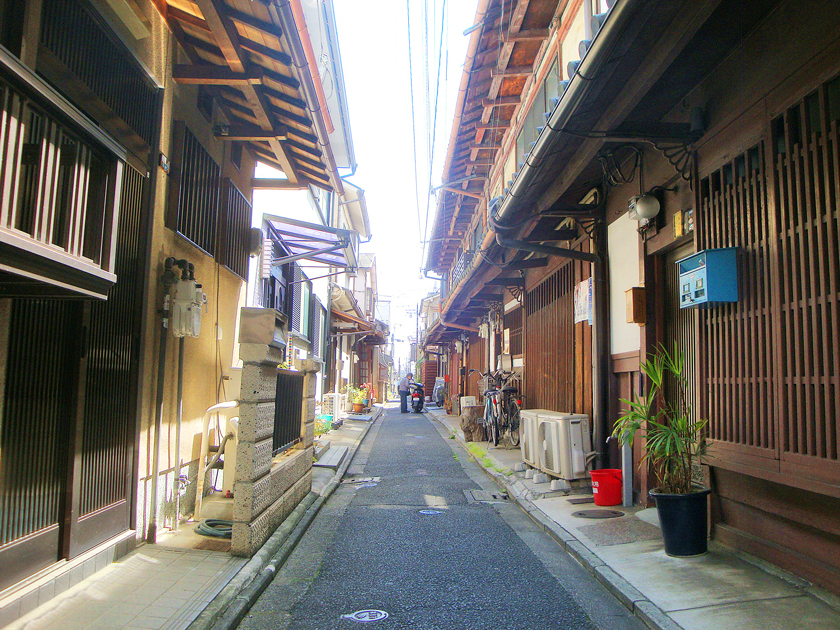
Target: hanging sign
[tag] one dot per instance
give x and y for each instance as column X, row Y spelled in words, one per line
column 583, row 302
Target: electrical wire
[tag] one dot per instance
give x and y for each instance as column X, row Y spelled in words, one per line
column 413, row 121
column 434, row 124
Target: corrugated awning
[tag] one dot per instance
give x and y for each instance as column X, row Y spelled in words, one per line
column 313, row 242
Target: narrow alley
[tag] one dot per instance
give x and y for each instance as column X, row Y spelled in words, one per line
column 407, row 541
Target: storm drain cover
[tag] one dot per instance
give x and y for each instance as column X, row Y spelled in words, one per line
column 366, row 615
column 361, row 480
column 598, row 514
column 430, row 512
column 581, row 500
column 484, row 496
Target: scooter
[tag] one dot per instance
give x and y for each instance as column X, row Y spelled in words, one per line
column 418, row 397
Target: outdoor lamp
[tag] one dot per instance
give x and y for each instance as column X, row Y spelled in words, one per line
column 647, row 206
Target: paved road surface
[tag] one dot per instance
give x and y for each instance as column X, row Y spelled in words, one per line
column 474, row 565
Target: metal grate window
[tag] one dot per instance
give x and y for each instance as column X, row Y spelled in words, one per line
column 194, row 213
column 288, row 406
column 237, row 230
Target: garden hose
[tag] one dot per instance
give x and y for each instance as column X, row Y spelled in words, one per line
column 215, row 527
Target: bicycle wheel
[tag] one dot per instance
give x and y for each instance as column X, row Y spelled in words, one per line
column 514, row 422
column 490, row 426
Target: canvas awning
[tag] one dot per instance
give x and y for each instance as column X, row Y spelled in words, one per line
column 313, row 242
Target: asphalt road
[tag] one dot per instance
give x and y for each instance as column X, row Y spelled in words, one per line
column 469, row 565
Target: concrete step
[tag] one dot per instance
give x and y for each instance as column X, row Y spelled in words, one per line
column 332, row 458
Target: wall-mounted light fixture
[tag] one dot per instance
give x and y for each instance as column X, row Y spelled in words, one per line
column 645, row 207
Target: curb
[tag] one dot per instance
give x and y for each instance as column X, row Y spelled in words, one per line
column 641, row 607
column 234, row 601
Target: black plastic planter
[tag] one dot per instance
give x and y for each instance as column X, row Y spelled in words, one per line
column 682, row 518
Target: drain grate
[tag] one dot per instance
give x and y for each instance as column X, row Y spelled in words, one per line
column 598, row 514
column 484, row 496
column 361, row 480
column 581, row 500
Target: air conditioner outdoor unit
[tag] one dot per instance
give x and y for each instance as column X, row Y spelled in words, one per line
column 565, row 444
column 528, row 436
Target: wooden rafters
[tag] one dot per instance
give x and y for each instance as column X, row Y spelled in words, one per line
column 236, row 53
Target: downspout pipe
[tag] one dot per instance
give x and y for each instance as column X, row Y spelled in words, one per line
column 600, row 332
column 282, row 13
column 590, row 66
column 168, row 279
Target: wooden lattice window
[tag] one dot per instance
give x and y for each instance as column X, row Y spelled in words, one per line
column 806, row 161
column 736, row 347
column 194, row 194
column 771, row 362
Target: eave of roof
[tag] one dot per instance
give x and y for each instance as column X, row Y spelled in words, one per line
column 245, row 55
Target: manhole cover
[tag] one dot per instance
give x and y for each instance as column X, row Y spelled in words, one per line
column 484, row 496
column 430, row 512
column 581, row 500
column 366, row 615
column 598, row 514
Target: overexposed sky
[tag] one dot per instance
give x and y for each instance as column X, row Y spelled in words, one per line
column 373, row 36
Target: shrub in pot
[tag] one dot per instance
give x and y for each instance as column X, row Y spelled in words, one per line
column 674, row 443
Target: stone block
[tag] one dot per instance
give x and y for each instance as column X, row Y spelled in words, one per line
column 309, row 434
column 256, row 421
column 248, row 537
column 259, row 383
column 252, row 497
column 310, row 385
column 260, row 353
column 253, row 460
column 471, row 423
column 309, row 415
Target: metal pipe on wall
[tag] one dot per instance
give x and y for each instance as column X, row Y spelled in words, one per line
column 169, row 277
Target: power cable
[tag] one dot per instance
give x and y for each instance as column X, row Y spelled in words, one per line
column 413, row 122
column 434, row 125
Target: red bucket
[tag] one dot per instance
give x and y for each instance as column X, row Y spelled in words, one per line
column 606, row 486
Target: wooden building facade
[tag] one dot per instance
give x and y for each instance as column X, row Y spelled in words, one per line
column 726, row 112
column 129, row 135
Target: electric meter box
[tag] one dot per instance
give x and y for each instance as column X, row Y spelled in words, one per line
column 709, row 277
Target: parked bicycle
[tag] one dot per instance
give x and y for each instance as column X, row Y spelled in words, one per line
column 501, row 408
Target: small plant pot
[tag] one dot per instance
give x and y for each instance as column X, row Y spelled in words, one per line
column 358, row 407
column 682, row 518
column 366, row 403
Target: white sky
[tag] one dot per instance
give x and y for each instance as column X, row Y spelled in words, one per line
column 373, row 36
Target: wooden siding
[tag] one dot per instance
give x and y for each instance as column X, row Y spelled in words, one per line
column 476, row 360
column 558, row 352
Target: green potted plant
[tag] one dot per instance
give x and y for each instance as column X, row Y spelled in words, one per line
column 674, row 444
column 356, row 396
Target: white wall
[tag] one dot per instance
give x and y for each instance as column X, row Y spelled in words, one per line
column 623, row 245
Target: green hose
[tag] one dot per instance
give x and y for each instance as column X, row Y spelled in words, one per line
column 215, row 527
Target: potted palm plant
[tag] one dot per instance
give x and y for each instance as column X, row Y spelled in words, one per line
column 675, row 443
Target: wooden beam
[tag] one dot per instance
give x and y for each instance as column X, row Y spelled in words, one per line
column 260, row 183
column 245, row 19
column 500, row 101
column 529, row 263
column 250, row 133
column 466, row 193
column 208, row 74
column 534, row 34
column 484, row 145
column 487, row 162
column 265, row 51
column 499, row 124
column 224, row 32
column 513, row 71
